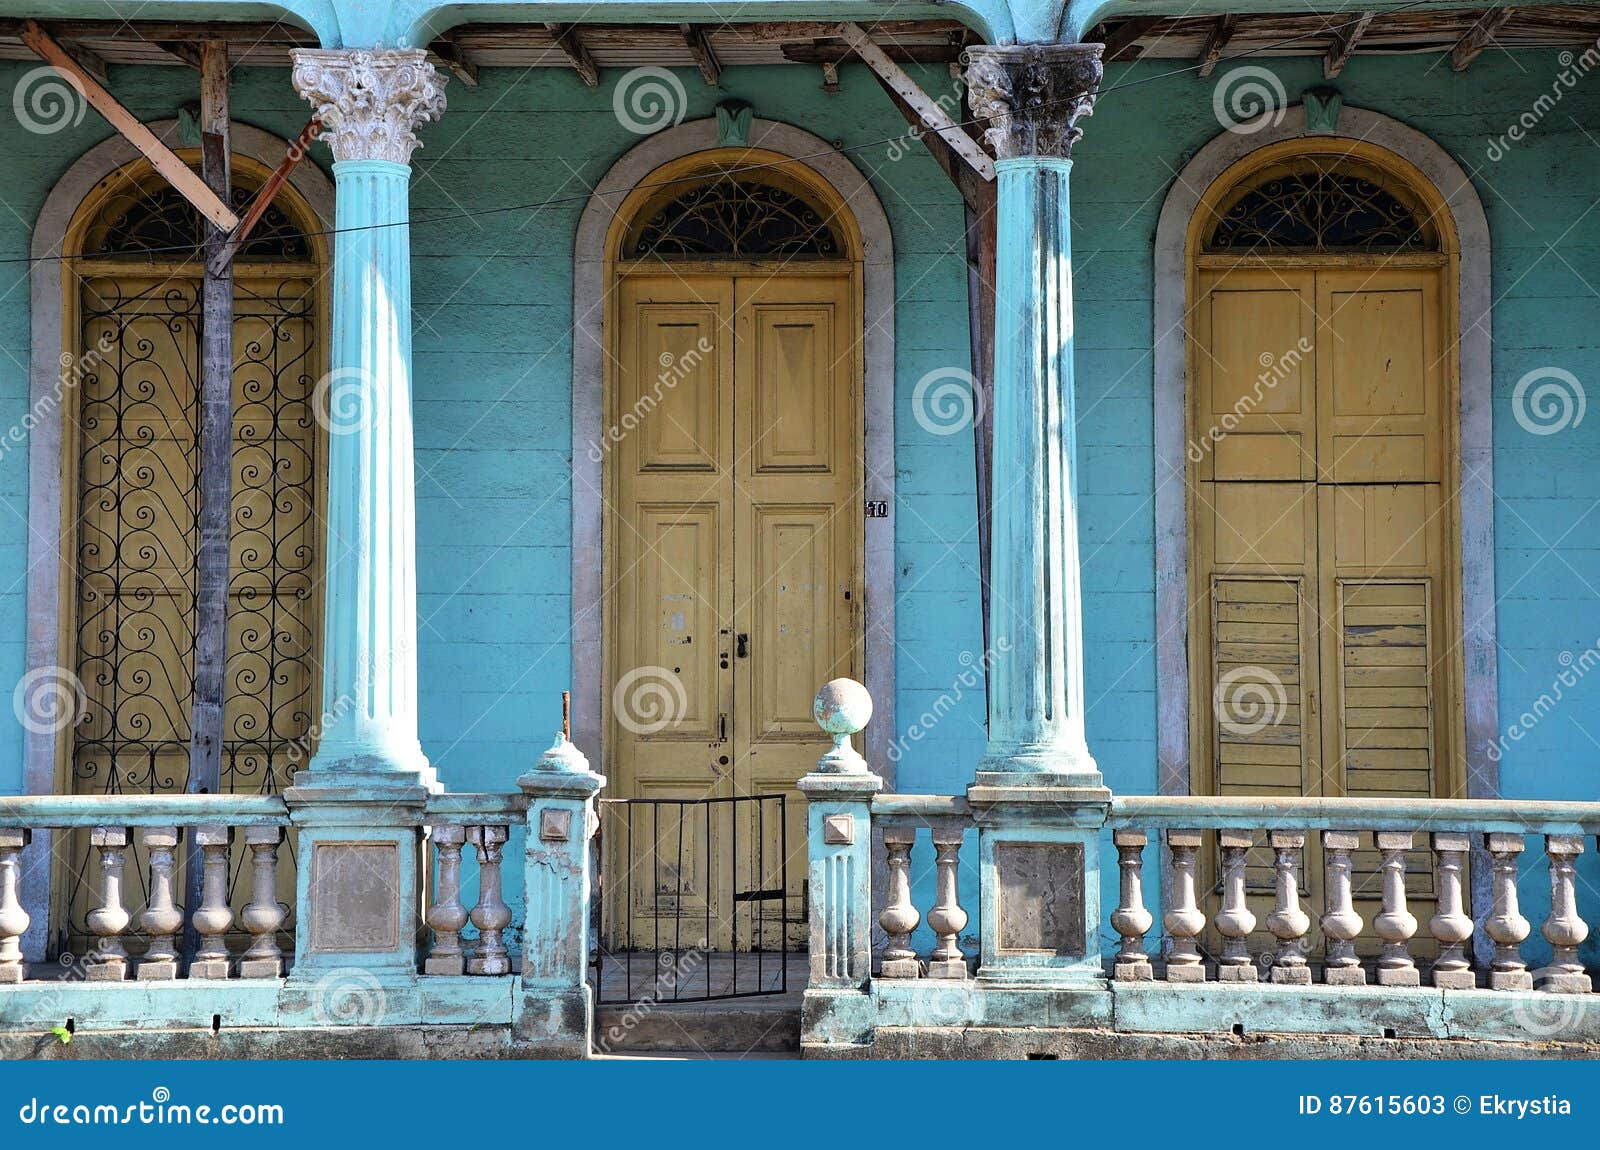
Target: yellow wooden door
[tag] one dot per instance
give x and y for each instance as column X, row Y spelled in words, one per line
column 736, row 593
column 1320, row 542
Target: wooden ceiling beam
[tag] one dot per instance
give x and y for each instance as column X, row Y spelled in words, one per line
column 1217, row 42
column 826, row 53
column 446, row 52
column 694, row 35
column 1479, row 37
column 162, row 158
column 571, row 45
column 1122, row 41
column 1344, row 44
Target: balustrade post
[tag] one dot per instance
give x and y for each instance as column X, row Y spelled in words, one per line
column 1287, row 922
column 1506, row 925
column 263, row 914
column 947, row 918
column 899, row 917
column 838, row 794
column 447, row 915
column 1340, row 922
column 162, row 918
column 1234, row 920
column 1131, row 920
column 1184, row 920
column 491, row 916
column 215, row 916
column 1451, row 926
column 1395, row 925
column 13, row 918
column 109, row 962
column 1565, row 929
column 555, row 1007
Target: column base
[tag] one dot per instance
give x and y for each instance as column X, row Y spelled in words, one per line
column 369, row 771
column 555, row 1022
column 1040, row 765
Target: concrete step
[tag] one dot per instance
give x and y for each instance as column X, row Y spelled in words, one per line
column 765, row 1026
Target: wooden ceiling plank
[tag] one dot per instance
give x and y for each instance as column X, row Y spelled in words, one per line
column 1478, row 38
column 571, row 45
column 932, row 114
column 1217, row 42
column 177, row 173
column 1344, row 44
column 700, row 48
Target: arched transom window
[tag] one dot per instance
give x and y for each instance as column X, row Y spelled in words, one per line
column 1320, row 204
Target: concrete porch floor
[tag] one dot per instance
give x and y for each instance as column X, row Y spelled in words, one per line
column 649, row 1022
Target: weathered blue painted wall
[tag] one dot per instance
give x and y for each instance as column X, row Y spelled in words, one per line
column 492, row 346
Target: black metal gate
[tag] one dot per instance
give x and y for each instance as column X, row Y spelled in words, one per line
column 691, row 899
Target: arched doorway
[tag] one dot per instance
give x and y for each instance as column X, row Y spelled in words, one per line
column 130, row 497
column 733, row 541
column 1324, row 571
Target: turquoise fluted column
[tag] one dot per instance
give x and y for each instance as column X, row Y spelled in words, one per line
column 370, row 104
column 1031, row 96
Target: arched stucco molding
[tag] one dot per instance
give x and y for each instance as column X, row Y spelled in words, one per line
column 1476, row 454
column 588, row 412
column 45, row 561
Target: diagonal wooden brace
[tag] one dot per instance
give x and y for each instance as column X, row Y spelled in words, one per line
column 162, row 158
column 229, row 248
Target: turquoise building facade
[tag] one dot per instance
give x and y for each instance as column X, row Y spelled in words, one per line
column 497, row 191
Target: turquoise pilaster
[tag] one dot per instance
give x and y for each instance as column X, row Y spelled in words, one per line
column 369, row 105
column 1031, row 96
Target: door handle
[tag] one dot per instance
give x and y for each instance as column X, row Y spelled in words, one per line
column 741, row 646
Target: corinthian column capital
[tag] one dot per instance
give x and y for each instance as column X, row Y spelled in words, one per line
column 1032, row 95
column 370, row 102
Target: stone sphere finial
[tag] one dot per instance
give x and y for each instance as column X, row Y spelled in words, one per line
column 842, row 707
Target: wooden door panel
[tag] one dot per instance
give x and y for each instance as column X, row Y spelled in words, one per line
column 1255, row 403
column 1380, row 378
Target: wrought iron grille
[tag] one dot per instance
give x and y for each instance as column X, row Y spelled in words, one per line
column 735, row 218
column 1321, row 207
column 690, row 899
column 136, row 382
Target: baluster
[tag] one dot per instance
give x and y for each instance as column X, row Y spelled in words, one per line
column 109, row 963
column 1287, row 922
column 447, row 916
column 1451, row 926
column 264, row 914
column 1340, row 922
column 161, row 918
column 1234, row 920
column 491, row 916
column 13, row 919
column 947, row 918
column 215, row 916
column 1564, row 930
column 1395, row 925
column 1507, row 926
column 1131, row 919
column 898, row 917
column 1185, row 920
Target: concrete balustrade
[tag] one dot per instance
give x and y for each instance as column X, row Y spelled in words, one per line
column 904, row 819
column 1297, row 916
column 135, row 917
